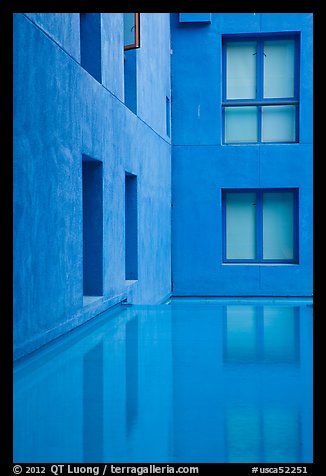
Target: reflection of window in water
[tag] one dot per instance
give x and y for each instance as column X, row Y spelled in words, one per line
column 271, row 434
column 261, row 333
column 131, row 372
column 240, row 333
column 281, row 334
column 93, row 404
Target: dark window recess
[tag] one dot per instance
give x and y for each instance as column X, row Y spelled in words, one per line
column 92, row 227
column 90, row 44
column 168, row 116
column 131, row 227
column 130, row 80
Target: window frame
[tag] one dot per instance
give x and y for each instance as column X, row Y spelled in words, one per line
column 136, row 44
column 259, row 225
column 260, row 101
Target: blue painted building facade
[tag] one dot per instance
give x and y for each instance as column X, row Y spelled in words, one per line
column 75, row 134
column 208, row 162
column 95, row 173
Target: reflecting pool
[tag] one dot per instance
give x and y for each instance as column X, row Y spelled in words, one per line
column 193, row 380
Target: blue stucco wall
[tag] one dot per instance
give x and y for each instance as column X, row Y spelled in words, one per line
column 202, row 166
column 60, row 113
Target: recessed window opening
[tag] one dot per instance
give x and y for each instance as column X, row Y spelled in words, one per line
column 92, row 227
column 131, row 227
column 130, row 80
column 261, row 89
column 168, row 116
column 90, row 44
column 260, row 226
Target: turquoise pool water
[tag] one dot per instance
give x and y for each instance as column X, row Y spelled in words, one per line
column 194, row 380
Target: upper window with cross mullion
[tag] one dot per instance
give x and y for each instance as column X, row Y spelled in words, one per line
column 261, row 89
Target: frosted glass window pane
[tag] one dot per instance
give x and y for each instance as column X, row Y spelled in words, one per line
column 278, row 123
column 279, row 69
column 278, row 225
column 241, row 124
column 240, row 226
column 241, row 70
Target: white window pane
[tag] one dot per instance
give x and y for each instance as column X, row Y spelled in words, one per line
column 279, row 69
column 278, row 230
column 241, row 70
column 241, row 225
column 278, row 123
column 241, row 124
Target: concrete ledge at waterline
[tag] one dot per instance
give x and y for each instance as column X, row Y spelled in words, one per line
column 90, row 310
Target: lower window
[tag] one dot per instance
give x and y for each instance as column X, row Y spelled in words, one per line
column 260, row 225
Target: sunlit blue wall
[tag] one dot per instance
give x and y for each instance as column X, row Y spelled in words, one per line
column 202, row 166
column 60, row 113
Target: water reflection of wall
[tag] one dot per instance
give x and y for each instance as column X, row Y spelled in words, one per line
column 103, row 395
column 261, row 333
column 198, row 434
column 266, row 426
column 206, row 383
column 132, row 365
column 253, row 389
column 271, row 434
column 93, row 404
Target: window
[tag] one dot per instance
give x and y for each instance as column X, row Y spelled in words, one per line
column 260, row 225
column 260, row 89
column 131, row 30
column 131, row 22
column 167, row 116
column 130, row 80
column 131, row 227
column 92, row 171
column 90, row 44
